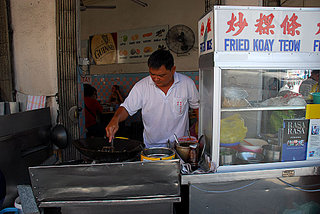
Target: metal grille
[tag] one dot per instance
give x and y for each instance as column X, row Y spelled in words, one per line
column 67, row 70
column 6, row 80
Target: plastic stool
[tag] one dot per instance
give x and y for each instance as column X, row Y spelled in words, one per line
column 10, row 210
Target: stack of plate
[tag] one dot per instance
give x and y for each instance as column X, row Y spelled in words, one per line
column 252, row 145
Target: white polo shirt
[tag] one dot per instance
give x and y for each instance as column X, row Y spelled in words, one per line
column 163, row 115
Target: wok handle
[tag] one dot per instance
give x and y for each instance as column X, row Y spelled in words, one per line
column 124, row 138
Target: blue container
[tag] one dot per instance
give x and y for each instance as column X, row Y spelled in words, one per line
column 10, row 210
column 316, row 97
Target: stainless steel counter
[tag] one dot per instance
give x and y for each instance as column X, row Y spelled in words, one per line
column 250, row 175
column 117, row 187
column 283, row 190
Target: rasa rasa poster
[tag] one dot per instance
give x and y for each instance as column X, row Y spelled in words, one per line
column 295, row 139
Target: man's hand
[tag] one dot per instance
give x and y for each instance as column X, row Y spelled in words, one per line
column 112, row 128
column 120, row 115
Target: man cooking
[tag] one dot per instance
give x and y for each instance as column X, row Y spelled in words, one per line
column 164, row 98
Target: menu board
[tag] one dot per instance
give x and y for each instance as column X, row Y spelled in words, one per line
column 137, row 45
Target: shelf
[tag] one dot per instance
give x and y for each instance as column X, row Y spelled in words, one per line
column 264, row 108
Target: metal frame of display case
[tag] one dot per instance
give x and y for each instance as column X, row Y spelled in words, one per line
column 216, row 130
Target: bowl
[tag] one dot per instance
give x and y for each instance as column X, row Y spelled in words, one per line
column 316, row 97
column 250, row 157
column 272, row 152
column 227, row 156
column 236, row 144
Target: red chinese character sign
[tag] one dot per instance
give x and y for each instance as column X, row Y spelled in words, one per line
column 205, row 29
column 264, row 24
column 318, row 29
column 290, row 26
column 262, row 29
column 241, row 23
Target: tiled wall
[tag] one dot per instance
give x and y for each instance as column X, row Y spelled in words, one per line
column 103, row 83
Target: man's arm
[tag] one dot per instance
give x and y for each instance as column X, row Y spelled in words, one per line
column 120, row 115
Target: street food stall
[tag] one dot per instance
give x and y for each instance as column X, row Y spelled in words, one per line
column 251, row 62
column 258, row 139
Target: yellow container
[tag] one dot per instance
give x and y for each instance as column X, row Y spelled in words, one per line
column 313, row 111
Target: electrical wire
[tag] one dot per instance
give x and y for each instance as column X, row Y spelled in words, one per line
column 298, row 188
column 224, row 191
column 81, row 72
column 239, row 188
column 283, row 2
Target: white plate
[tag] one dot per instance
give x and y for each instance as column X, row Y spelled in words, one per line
column 253, row 142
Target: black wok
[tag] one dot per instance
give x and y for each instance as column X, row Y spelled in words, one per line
column 124, row 149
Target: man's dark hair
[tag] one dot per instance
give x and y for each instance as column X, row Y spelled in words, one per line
column 161, row 57
column 116, row 87
column 89, row 90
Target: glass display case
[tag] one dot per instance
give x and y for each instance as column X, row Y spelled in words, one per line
column 251, row 63
column 249, row 94
column 254, row 104
column 243, row 115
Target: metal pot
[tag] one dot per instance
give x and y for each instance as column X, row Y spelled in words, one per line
column 59, row 136
column 124, row 149
column 155, row 154
column 183, row 149
column 227, row 156
column 272, row 152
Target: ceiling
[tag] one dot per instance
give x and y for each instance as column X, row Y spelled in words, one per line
column 105, row 4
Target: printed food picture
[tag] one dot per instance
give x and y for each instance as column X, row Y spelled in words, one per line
column 134, row 37
column 124, row 38
column 123, row 52
column 147, row 35
column 147, row 49
column 134, row 51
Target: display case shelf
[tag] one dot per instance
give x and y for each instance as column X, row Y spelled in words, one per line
column 265, row 108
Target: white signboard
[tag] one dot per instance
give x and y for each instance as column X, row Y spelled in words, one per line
column 205, row 34
column 266, row 29
column 137, row 45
